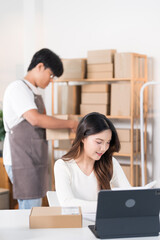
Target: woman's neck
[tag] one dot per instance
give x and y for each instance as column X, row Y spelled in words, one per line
column 85, row 164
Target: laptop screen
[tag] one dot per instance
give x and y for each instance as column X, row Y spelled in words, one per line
column 127, row 213
column 125, row 203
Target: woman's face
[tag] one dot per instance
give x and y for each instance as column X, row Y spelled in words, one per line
column 96, row 145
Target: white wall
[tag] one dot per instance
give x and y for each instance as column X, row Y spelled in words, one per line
column 21, row 36
column 71, row 28
column 11, row 42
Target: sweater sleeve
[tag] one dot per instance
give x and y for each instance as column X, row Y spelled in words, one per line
column 119, row 179
column 64, row 191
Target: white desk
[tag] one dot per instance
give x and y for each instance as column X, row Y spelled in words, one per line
column 14, row 225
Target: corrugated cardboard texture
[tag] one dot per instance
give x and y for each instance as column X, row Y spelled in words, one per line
column 64, row 144
column 51, row 217
column 74, row 68
column 69, row 98
column 99, row 75
column 95, row 88
column 125, row 135
column 123, row 65
column 128, row 66
column 61, row 134
column 136, row 173
column 120, row 99
column 95, row 98
column 101, row 108
column 108, row 67
column 126, row 147
column 57, row 134
column 101, row 56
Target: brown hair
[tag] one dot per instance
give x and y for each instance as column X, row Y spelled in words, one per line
column 90, row 124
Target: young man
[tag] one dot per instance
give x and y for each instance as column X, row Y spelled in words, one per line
column 25, row 153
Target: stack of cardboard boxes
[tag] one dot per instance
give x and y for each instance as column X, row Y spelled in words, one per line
column 100, row 64
column 95, row 98
column 69, row 96
column 136, row 173
column 126, row 65
column 125, row 140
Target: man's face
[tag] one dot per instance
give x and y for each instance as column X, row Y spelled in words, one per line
column 42, row 76
column 45, row 77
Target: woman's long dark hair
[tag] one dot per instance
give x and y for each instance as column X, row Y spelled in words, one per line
column 90, row 124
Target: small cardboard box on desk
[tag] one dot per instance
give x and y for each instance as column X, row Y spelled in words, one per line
column 55, row 217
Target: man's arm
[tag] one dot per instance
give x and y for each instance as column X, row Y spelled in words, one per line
column 45, row 121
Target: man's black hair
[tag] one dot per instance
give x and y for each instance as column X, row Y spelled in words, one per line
column 49, row 59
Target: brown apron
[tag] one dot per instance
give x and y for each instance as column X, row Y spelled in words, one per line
column 29, row 153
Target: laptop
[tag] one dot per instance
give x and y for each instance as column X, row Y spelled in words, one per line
column 127, row 213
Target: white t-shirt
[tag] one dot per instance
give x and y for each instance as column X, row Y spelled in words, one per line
column 18, row 99
column 74, row 188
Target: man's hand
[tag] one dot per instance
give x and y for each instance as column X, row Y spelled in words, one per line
column 74, row 125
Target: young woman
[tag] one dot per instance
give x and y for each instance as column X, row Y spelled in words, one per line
column 89, row 166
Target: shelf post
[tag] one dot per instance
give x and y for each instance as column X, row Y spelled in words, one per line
column 53, row 160
column 143, row 153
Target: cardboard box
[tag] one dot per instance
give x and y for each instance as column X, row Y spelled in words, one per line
column 95, row 98
column 55, row 217
column 123, row 65
column 128, row 65
column 125, row 135
column 126, row 147
column 101, row 108
column 106, row 67
column 121, row 99
column 136, row 172
column 4, row 198
column 100, row 56
column 65, row 144
column 97, row 88
column 61, row 134
column 99, row 75
column 74, row 68
column 69, row 99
